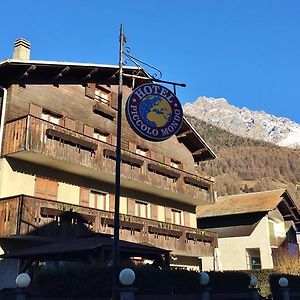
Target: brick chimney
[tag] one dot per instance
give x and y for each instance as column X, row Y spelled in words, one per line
column 21, row 49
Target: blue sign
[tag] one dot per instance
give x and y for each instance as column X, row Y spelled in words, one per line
column 154, row 112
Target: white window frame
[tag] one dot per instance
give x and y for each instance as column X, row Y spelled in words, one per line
column 98, row 200
column 102, row 96
column 175, row 164
column 250, row 258
column 100, row 136
column 138, row 211
column 141, row 151
column 51, row 117
column 176, row 216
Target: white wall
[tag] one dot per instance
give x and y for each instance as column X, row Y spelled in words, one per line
column 233, row 249
column 207, row 263
column 14, row 183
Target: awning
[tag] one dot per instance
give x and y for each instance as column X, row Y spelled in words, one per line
column 81, row 246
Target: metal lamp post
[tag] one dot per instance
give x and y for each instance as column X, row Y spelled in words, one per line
column 118, row 169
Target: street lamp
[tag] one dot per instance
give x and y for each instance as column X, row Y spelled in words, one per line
column 22, row 281
column 204, row 278
column 127, row 278
column 253, row 281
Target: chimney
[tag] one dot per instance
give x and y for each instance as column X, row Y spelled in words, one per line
column 21, row 49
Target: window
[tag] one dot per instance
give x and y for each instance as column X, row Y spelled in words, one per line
column 51, row 117
column 176, row 217
column 175, row 164
column 101, row 136
column 141, row 209
column 253, row 259
column 276, row 229
column 102, row 96
column 98, row 200
column 141, row 151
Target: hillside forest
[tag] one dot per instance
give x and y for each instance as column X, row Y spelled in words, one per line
column 246, row 165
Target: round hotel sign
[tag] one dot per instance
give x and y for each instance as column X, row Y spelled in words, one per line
column 154, row 112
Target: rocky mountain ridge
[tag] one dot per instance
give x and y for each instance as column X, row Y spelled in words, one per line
column 244, row 122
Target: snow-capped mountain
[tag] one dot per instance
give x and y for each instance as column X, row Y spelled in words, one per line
column 244, row 122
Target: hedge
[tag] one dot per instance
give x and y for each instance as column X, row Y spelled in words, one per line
column 90, row 281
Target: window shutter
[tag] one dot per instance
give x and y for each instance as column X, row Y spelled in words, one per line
column 88, row 130
column 131, row 206
column 167, row 160
column 114, row 100
column 46, row 188
column 90, row 90
column 84, row 199
column 35, row 110
column 154, row 211
column 168, row 214
column 131, row 147
column 69, row 123
column 111, row 202
column 187, row 219
column 114, row 140
column 153, row 155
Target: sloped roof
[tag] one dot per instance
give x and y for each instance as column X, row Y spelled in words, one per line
column 248, row 203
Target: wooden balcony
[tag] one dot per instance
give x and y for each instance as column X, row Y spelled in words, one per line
column 36, row 140
column 24, row 215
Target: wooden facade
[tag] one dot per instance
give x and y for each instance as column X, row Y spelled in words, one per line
column 33, row 139
column 31, row 216
column 70, row 129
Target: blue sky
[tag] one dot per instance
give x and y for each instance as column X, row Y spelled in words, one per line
column 245, row 51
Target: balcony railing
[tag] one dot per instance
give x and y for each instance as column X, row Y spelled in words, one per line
column 25, row 215
column 33, row 135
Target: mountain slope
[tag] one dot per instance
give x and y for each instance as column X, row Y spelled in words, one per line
column 245, row 123
column 247, row 165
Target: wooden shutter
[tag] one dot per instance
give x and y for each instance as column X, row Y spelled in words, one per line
column 168, row 215
column 69, row 123
column 153, row 211
column 90, row 90
column 131, row 146
column 46, row 188
column 187, row 219
column 114, row 140
column 84, row 199
column 130, row 206
column 124, row 144
column 88, row 130
column 114, row 100
column 111, row 202
column 167, row 160
column 35, row 110
column 153, row 155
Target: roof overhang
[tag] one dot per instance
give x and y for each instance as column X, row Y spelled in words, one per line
column 13, row 71
column 194, row 142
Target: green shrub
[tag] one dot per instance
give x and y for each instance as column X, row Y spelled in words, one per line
column 263, row 280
